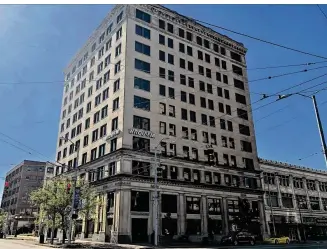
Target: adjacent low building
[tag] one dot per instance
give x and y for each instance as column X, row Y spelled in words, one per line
column 20, row 181
column 295, row 200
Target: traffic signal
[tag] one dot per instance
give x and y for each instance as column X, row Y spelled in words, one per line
column 5, row 190
column 68, row 188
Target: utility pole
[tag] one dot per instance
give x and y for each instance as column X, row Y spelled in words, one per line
column 321, row 131
column 70, row 229
column 74, row 179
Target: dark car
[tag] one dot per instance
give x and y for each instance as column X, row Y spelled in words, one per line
column 238, row 238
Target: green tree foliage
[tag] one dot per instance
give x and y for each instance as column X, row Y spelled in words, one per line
column 3, row 216
column 54, row 201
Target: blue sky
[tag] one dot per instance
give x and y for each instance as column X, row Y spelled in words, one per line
column 37, row 42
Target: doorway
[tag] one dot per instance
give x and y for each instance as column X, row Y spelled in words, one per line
column 139, row 230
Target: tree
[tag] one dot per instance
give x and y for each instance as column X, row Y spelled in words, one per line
column 54, row 200
column 245, row 215
column 3, row 217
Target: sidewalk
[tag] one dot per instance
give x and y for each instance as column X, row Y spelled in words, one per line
column 79, row 243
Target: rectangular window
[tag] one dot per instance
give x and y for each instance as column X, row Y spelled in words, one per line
column 113, row 145
column 246, row 146
column 237, row 70
column 170, row 59
column 162, row 90
column 95, row 134
column 114, row 124
column 162, row 24
column 170, row 43
column 117, row 67
column 189, row 51
column 161, row 39
column 244, row 129
column 118, row 50
column 115, row 104
column 162, row 127
column 190, row 66
column 181, row 32
column 116, row 85
column 141, row 143
column 105, row 94
column 181, row 48
column 162, row 72
column 239, row 84
column 120, row 17
column 182, row 63
column 142, row 48
column 106, row 77
column 103, row 130
column 162, row 56
column 144, row 32
column 189, row 36
column 141, row 103
column 141, row 123
column 242, row 114
column 193, row 116
column 143, row 16
column 171, row 75
column 119, row 34
column 171, row 93
column 170, row 28
column 184, row 114
column 142, row 84
column 142, row 66
column 240, row 98
column 104, row 112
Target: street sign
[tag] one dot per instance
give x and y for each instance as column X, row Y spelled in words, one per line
column 77, row 197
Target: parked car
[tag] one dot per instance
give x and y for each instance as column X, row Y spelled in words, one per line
column 237, row 238
column 278, row 240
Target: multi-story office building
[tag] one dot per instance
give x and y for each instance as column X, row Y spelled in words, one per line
column 22, row 180
column 295, row 200
column 150, row 79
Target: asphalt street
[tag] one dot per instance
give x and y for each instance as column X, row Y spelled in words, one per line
column 21, row 244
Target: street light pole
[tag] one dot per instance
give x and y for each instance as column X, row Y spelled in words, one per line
column 320, row 128
column 156, row 197
column 321, row 131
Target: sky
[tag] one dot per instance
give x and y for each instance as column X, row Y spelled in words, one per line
column 37, row 42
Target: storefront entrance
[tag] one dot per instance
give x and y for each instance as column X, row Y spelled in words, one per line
column 139, row 230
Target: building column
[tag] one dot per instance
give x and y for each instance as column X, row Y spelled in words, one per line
column 279, row 194
column 307, row 194
column 168, row 172
column 321, row 205
column 224, row 216
column 204, row 216
column 293, row 192
column 202, row 176
column 104, row 217
column 222, row 179
column 122, row 217
column 181, row 214
column 263, row 220
column 180, row 174
column 96, row 220
column 151, row 216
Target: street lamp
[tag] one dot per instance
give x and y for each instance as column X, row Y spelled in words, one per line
column 320, row 128
column 74, row 189
column 155, row 203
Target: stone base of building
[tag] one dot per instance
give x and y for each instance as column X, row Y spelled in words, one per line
column 99, row 237
column 124, row 239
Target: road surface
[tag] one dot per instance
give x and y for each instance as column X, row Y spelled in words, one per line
column 19, row 244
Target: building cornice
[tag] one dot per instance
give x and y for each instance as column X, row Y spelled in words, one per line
column 291, row 166
column 191, row 25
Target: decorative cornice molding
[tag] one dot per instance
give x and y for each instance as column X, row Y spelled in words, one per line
column 192, row 25
column 290, row 166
